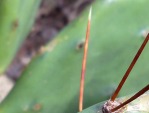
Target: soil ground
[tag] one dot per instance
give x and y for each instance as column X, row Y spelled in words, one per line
column 52, row 17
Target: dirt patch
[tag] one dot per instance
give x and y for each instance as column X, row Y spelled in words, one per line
column 52, row 17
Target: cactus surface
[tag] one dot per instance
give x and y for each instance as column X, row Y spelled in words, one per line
column 139, row 105
column 51, row 82
column 16, row 19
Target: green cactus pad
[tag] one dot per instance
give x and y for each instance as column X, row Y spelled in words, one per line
column 16, row 19
column 140, row 105
column 51, row 82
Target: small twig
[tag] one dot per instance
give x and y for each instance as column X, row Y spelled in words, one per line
column 84, row 63
column 129, row 69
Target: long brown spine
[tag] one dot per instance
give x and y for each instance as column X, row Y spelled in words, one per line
column 129, row 68
column 84, row 64
column 141, row 92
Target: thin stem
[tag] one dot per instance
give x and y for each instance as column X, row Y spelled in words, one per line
column 129, row 68
column 141, row 92
column 84, row 64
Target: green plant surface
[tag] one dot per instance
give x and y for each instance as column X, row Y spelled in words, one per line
column 51, row 82
column 16, row 19
column 140, row 105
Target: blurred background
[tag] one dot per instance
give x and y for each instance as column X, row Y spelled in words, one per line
column 52, row 17
column 41, row 49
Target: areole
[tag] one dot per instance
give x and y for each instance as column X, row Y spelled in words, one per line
column 112, row 105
